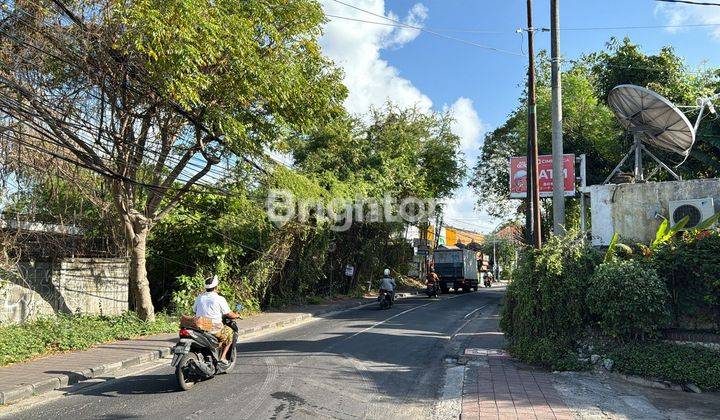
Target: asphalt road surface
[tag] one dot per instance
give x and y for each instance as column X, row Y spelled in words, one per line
column 362, row 363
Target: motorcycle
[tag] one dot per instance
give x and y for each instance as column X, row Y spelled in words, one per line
column 432, row 289
column 487, row 282
column 196, row 357
column 385, row 299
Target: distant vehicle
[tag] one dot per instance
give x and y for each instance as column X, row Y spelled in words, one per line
column 457, row 269
column 385, row 299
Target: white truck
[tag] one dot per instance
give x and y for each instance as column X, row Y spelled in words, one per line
column 457, row 269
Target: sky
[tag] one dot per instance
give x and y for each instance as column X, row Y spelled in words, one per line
column 478, row 75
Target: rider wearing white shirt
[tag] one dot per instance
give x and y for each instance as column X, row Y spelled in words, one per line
column 213, row 306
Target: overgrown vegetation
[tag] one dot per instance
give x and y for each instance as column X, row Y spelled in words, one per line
column 62, row 333
column 619, row 306
column 676, row 363
column 544, row 312
column 627, row 300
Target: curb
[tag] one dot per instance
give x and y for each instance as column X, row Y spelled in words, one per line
column 647, row 382
column 47, row 385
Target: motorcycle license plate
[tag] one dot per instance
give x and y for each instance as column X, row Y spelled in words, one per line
column 180, row 349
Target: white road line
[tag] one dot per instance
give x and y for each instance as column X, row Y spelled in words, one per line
column 475, row 311
column 386, row 320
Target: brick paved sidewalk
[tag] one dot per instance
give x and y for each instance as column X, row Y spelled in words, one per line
column 496, row 388
column 57, row 371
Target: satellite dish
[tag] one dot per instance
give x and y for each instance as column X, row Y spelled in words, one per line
column 654, row 121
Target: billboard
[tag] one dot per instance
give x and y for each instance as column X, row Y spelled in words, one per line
column 518, row 176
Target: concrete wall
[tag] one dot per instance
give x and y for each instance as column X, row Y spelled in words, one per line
column 73, row 285
column 629, row 209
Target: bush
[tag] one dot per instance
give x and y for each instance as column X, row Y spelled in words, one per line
column 690, row 266
column 189, row 287
column 628, row 300
column 671, row 362
column 48, row 335
column 544, row 311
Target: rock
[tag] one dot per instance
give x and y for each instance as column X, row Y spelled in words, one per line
column 594, row 359
column 691, row 387
column 583, row 360
column 608, row 364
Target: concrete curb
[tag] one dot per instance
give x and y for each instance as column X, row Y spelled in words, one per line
column 70, row 378
column 647, row 382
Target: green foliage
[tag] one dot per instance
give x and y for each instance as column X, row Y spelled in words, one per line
column 690, row 266
column 544, row 311
column 666, row 232
column 671, row 362
column 610, row 253
column 628, row 300
column 254, row 70
column 48, row 335
column 589, row 125
column 407, row 152
column 189, row 287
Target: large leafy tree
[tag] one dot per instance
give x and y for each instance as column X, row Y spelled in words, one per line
column 406, row 152
column 589, row 125
column 153, row 94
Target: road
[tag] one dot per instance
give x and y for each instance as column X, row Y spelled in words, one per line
column 363, row 363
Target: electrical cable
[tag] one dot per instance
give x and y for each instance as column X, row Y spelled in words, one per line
column 428, row 31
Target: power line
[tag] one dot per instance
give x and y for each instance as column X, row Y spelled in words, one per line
column 428, row 31
column 609, row 28
column 404, row 25
column 694, row 3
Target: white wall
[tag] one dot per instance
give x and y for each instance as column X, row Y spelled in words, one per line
column 629, row 209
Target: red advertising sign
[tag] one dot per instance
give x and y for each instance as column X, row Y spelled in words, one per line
column 518, row 176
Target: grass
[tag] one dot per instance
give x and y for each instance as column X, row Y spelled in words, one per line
column 49, row 335
column 671, row 362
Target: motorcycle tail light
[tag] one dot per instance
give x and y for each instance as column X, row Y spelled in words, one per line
column 184, row 333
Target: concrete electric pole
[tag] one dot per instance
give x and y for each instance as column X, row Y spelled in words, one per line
column 558, row 200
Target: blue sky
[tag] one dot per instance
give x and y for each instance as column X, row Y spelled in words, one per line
column 482, row 86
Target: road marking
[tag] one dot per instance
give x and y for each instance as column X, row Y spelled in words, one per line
column 386, row 320
column 482, row 307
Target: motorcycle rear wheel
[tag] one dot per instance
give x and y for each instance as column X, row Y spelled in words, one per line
column 182, row 371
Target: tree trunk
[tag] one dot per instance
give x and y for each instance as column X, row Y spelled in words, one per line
column 138, row 277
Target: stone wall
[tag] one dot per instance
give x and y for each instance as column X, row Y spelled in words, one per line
column 97, row 286
column 630, row 209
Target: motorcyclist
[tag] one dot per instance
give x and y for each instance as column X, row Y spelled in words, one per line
column 388, row 284
column 213, row 306
column 433, row 278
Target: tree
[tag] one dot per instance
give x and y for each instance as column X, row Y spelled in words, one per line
column 589, row 125
column 407, row 152
column 153, row 95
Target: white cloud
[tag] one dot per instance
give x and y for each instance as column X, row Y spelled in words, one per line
column 356, row 46
column 468, row 125
column 400, row 36
column 685, row 14
column 460, row 209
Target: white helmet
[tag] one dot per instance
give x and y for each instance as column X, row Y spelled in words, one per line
column 211, row 282
column 386, row 272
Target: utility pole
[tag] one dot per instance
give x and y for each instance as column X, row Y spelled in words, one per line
column 533, row 181
column 558, row 199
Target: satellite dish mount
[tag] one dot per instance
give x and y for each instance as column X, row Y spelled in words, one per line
column 654, row 121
